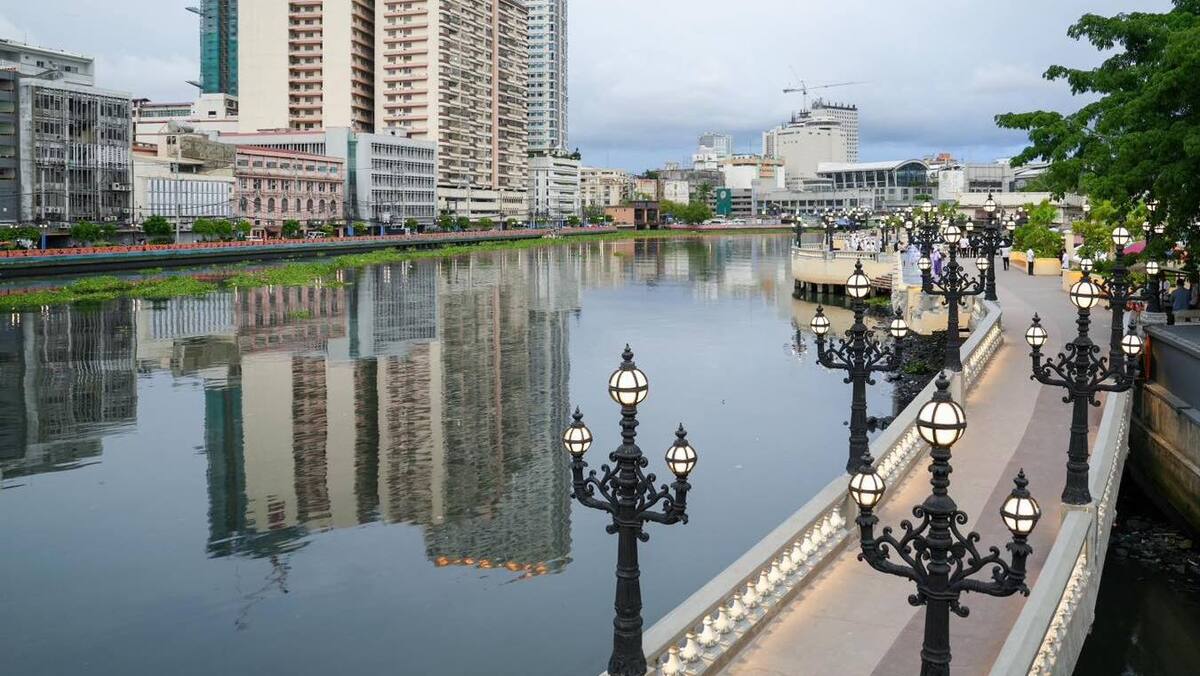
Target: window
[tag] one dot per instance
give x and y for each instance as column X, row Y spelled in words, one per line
column 283, row 205
column 310, row 206
column 321, row 206
column 257, row 204
column 271, row 204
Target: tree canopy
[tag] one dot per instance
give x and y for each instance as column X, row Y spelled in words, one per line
column 1140, row 132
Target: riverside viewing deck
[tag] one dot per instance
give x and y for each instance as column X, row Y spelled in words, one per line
column 810, row 598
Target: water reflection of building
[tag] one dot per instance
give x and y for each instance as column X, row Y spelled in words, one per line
column 67, row 377
column 436, row 401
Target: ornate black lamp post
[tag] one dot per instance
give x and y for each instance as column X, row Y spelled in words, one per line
column 934, row 554
column 1153, row 230
column 990, row 237
column 953, row 286
column 830, row 222
column 631, row 498
column 860, row 355
column 1082, row 374
column 1119, row 292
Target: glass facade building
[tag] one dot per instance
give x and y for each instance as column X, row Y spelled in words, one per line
column 219, row 47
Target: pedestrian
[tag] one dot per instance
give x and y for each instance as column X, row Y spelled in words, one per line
column 1180, row 297
column 936, row 259
column 1029, row 259
column 1005, row 252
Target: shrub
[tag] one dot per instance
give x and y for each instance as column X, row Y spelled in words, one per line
column 291, row 229
column 85, row 232
column 156, row 226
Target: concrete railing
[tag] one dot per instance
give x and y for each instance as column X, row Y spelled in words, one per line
column 1050, row 631
column 705, row 631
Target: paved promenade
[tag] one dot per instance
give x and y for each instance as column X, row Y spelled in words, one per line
column 855, row 620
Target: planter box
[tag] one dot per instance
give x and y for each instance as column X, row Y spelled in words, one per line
column 1042, row 267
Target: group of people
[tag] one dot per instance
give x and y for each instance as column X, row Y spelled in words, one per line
column 865, row 243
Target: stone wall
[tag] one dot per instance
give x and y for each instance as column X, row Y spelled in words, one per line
column 1165, row 451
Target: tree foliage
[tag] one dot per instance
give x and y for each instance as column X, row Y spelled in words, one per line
column 1140, row 132
column 693, row 212
column 290, row 229
column 155, row 226
column 1036, row 234
column 85, row 232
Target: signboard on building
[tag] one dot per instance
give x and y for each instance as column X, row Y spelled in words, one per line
column 724, row 201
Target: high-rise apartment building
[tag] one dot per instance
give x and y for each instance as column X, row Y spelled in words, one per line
column 306, row 64
column 218, row 46
column 454, row 72
column 547, row 74
column 716, row 143
column 847, row 116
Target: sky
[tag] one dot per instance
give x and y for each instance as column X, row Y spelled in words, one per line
column 649, row 76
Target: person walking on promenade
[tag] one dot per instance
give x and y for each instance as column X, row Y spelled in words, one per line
column 1029, row 259
column 1005, row 252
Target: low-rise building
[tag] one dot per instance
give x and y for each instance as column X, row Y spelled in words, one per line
column 553, row 185
column 640, row 214
column 746, row 172
column 184, row 178
column 64, row 144
column 209, row 113
column 280, row 185
column 676, row 190
column 604, row 187
column 955, row 180
column 646, row 189
column 813, row 202
column 389, row 177
column 893, row 183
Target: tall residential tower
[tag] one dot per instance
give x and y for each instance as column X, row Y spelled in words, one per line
column 454, row 72
column 547, row 74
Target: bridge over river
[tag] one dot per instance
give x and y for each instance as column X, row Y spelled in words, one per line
column 800, row 602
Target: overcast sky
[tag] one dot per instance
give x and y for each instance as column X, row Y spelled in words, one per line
column 648, row 76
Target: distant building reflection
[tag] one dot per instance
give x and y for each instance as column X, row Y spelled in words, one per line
column 67, row 377
column 429, row 393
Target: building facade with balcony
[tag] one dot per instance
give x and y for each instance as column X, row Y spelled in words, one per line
column 604, row 187
column 553, row 186
column 547, row 74
column 274, row 186
column 453, row 72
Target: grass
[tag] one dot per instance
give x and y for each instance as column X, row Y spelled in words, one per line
column 153, row 286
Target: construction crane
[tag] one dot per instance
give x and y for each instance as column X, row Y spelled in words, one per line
column 803, row 89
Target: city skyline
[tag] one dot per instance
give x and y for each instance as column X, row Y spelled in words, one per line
column 962, row 77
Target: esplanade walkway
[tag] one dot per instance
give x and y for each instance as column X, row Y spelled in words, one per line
column 811, row 607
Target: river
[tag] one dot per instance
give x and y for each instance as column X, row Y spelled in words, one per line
column 367, row 478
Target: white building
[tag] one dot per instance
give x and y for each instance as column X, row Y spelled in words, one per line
column 674, row 190
column 805, row 143
column 717, row 143
column 958, row 179
column 892, row 183
column 604, row 187
column 554, row 185
column 209, row 113
column 547, row 75
column 180, row 190
column 847, row 116
column 52, row 64
column 390, row 178
column 745, row 172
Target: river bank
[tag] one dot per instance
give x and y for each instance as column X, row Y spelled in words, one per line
column 155, row 285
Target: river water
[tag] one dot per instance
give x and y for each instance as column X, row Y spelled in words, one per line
column 367, row 478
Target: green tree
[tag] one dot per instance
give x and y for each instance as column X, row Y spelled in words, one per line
column 328, row 229
column 594, row 214
column 12, row 235
column 85, row 232
column 290, row 229
column 1139, row 131
column 107, row 232
column 203, row 228
column 156, row 226
column 703, row 191
column 462, row 223
column 445, row 221
column 573, row 221
column 486, row 224
column 1036, row 233
column 511, row 223
column 243, row 229
column 411, row 223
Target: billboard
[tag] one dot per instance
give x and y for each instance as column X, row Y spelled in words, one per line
column 724, row 201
